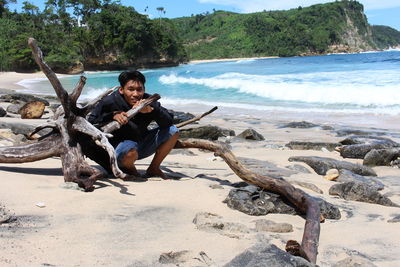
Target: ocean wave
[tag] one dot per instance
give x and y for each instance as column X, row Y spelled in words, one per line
column 346, row 111
column 366, row 88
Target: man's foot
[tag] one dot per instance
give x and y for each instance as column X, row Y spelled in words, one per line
column 131, row 171
column 156, row 173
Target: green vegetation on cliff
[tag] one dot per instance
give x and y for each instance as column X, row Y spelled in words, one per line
column 97, row 35
column 324, row 28
column 103, row 34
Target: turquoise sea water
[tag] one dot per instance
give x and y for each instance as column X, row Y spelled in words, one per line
column 341, row 83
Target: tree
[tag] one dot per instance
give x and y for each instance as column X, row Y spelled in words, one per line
column 161, row 11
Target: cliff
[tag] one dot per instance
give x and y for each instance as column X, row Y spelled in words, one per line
column 335, row 27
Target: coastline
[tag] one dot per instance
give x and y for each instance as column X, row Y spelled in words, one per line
column 227, row 59
column 9, row 80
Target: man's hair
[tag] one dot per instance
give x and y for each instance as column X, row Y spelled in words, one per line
column 135, row 75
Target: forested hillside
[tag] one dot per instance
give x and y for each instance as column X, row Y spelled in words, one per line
column 95, row 35
column 324, row 28
column 78, row 35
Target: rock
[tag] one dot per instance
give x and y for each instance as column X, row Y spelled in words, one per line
column 14, row 108
column 184, row 258
column 321, row 165
column 264, row 167
column 216, row 186
column 267, row 255
column 3, row 113
column 360, row 192
column 347, row 176
column 214, row 223
column 344, row 132
column 299, row 124
column 298, row 168
column 5, row 215
column 251, row 134
column 310, row 186
column 365, row 139
column 180, row 116
column 395, row 219
column 354, row 261
column 254, row 201
column 328, row 211
column 381, row 157
column 32, row 110
column 22, row 98
column 302, row 145
column 205, row 132
column 271, row 226
column 17, row 128
column 359, row 151
column 332, row 174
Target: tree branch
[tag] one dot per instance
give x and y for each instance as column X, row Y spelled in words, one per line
column 179, row 125
column 297, row 197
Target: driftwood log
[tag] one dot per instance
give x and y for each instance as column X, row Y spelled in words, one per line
column 73, row 138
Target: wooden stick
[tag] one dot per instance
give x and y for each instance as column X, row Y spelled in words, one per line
column 179, row 125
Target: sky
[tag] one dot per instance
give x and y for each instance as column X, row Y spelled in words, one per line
column 379, row 12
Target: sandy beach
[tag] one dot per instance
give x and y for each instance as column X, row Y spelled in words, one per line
column 133, row 223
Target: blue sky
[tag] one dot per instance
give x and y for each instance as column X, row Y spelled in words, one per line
column 379, row 12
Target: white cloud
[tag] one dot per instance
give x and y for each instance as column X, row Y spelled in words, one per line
column 259, row 5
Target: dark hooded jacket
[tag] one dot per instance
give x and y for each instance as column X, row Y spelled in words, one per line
column 136, row 128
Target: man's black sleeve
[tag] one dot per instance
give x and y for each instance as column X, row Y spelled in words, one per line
column 161, row 115
column 101, row 114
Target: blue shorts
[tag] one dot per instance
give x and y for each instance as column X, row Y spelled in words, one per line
column 148, row 145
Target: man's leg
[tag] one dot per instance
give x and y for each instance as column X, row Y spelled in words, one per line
column 161, row 152
column 127, row 154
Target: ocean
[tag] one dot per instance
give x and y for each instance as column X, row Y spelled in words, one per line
column 363, row 86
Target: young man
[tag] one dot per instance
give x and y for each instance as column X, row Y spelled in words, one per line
column 133, row 140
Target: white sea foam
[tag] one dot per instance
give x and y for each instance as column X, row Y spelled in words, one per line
column 366, row 88
column 373, row 111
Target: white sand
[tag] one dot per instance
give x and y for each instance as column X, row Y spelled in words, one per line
column 126, row 223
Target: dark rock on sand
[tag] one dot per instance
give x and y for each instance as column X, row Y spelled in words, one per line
column 264, row 167
column 321, row 165
column 254, row 201
column 344, row 132
column 267, row 255
column 251, row 134
column 2, row 112
column 299, row 124
column 298, row 168
column 14, row 108
column 360, row 192
column 365, row 139
column 205, row 132
column 214, row 223
column 271, row 226
column 22, row 98
column 381, row 157
column 347, row 176
column 310, row 186
column 359, row 151
column 395, row 219
column 328, row 211
column 180, row 116
column 17, row 128
column 301, row 145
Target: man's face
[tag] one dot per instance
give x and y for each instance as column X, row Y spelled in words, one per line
column 133, row 92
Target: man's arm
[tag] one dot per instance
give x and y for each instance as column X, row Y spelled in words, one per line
column 161, row 115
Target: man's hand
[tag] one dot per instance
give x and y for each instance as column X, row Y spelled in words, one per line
column 121, row 118
column 146, row 109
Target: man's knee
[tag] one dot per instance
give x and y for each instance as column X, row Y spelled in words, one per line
column 173, row 130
